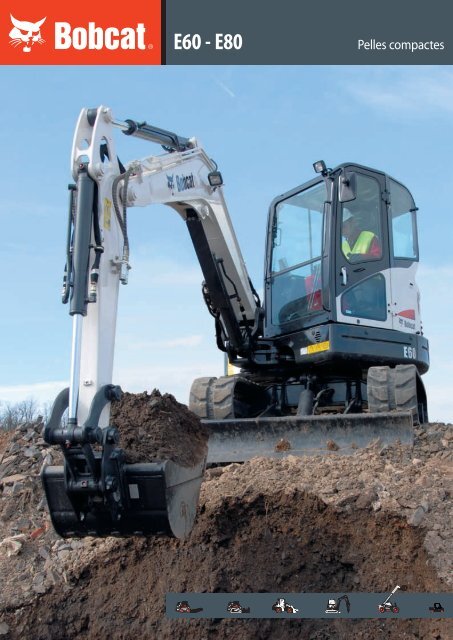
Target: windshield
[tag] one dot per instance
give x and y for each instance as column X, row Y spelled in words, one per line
column 404, row 226
column 296, row 255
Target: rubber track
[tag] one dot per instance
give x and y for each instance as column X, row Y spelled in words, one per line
column 392, row 389
column 406, row 388
column 200, row 398
column 222, row 398
column 213, row 398
column 381, row 389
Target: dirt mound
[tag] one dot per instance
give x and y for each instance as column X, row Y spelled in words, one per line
column 333, row 524
column 155, row 427
column 293, row 542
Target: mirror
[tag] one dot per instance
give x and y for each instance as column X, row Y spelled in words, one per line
column 348, row 187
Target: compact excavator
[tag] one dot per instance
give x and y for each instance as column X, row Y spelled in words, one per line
column 329, row 361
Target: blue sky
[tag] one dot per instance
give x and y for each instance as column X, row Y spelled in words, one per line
column 264, row 126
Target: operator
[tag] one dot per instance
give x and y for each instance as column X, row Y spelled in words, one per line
column 357, row 241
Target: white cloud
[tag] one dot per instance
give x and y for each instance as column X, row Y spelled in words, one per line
column 418, row 91
column 25, row 207
column 43, row 392
column 437, row 311
column 429, row 271
column 184, row 342
column 172, row 378
column 162, row 272
column 176, row 380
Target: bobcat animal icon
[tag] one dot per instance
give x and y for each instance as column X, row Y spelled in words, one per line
column 171, row 181
column 25, row 33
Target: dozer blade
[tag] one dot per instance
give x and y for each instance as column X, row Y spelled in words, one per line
column 161, row 498
column 239, row 440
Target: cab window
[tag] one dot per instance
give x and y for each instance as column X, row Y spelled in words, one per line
column 403, row 223
column 297, row 234
column 361, row 222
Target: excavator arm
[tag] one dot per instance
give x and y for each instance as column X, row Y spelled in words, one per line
column 96, row 492
column 185, row 179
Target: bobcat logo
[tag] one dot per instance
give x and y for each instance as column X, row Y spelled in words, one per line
column 25, row 33
column 171, row 181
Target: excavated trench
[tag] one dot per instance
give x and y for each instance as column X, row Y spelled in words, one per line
column 290, row 543
column 320, row 524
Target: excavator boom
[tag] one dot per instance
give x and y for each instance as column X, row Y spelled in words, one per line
column 97, row 492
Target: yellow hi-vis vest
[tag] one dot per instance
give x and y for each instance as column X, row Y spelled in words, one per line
column 362, row 244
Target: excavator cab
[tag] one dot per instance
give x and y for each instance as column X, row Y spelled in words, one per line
column 339, row 261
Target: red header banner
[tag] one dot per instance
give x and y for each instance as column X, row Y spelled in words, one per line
column 85, row 33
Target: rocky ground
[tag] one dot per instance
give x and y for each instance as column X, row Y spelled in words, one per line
column 365, row 522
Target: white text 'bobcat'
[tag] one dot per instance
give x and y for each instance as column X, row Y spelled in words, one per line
column 98, row 38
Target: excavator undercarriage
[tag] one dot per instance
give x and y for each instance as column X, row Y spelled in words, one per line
column 248, row 419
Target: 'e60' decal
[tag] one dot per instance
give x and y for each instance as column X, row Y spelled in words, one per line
column 410, row 352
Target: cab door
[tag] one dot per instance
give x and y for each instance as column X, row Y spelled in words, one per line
column 404, row 259
column 362, row 287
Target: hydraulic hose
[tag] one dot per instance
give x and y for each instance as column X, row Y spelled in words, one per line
column 122, row 215
column 67, row 276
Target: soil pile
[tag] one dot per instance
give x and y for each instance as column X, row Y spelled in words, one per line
column 157, row 427
column 28, row 546
column 365, row 522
